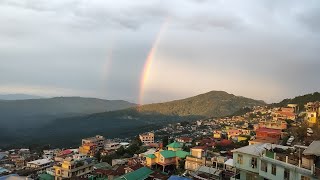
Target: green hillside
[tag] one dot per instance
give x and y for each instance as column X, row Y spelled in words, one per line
column 211, row 104
column 300, row 100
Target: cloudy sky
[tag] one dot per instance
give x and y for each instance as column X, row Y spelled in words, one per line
column 265, row 50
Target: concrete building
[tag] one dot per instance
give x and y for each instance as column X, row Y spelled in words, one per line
column 71, row 168
column 147, row 138
column 261, row 161
column 196, row 159
column 97, row 140
column 40, row 164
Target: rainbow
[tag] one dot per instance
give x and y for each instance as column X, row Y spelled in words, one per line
column 148, row 63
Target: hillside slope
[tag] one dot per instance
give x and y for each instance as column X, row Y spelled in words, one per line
column 28, row 112
column 211, row 104
column 300, row 100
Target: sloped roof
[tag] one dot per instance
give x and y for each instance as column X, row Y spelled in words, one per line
column 313, row 149
column 152, row 156
column 140, row 174
column 182, row 154
column 168, row 154
column 175, row 145
column 178, row 178
column 255, row 149
column 46, row 177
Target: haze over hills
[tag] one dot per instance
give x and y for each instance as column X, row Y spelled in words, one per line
column 20, row 113
column 18, row 96
column 68, row 130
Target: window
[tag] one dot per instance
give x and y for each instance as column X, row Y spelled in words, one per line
column 161, row 159
column 254, row 162
column 240, row 159
column 305, row 177
column 286, row 175
column 274, row 169
column 264, row 166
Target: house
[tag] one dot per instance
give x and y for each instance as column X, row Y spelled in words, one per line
column 140, row 174
column 40, row 164
column 71, row 168
column 167, row 157
column 313, row 112
column 147, row 138
column 207, row 173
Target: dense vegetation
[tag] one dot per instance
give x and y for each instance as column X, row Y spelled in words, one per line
column 68, row 130
column 300, row 100
column 211, row 104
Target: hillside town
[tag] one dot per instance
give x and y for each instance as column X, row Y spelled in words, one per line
column 262, row 142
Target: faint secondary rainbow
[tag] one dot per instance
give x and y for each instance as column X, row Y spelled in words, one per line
column 148, row 63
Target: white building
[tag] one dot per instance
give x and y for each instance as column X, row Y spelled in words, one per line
column 40, row 163
column 256, row 162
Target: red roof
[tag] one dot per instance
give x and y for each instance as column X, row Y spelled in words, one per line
column 269, row 130
column 225, row 142
column 65, row 152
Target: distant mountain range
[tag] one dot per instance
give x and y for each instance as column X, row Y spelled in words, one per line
column 65, row 120
column 18, row 97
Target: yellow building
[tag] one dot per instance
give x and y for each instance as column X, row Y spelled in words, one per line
column 88, row 149
column 71, row 168
column 97, row 140
column 313, row 112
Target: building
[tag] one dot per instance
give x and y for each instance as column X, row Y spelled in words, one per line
column 266, row 135
column 313, row 112
column 71, row 168
column 89, row 149
column 147, row 138
column 280, row 124
column 184, row 140
column 264, row 161
column 166, row 157
column 196, row 159
column 97, row 140
column 40, row 164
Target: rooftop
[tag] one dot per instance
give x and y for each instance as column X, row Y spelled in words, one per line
column 140, row 174
column 40, row 161
column 175, row 145
column 313, row 149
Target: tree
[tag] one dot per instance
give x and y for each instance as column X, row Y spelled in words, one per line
column 165, row 141
column 98, row 156
column 121, row 151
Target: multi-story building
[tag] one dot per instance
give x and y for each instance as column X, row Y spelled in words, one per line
column 40, row 164
column 71, row 168
column 147, row 138
column 97, row 140
column 196, row 159
column 313, row 112
column 280, row 124
column 261, row 161
column 89, row 149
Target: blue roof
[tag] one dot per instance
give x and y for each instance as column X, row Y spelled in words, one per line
column 178, row 178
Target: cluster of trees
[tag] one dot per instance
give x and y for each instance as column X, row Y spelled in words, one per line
column 300, row 100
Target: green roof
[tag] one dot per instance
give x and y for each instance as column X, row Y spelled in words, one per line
column 152, row 156
column 175, row 145
column 140, row 174
column 168, row 154
column 102, row 165
column 46, row 177
column 182, row 154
